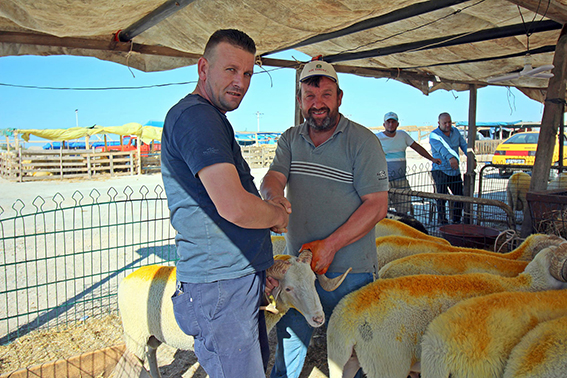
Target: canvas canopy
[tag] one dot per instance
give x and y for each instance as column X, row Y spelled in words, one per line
column 145, row 133
column 437, row 44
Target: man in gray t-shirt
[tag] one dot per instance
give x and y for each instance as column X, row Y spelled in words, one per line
column 336, row 177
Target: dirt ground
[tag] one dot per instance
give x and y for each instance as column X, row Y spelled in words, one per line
column 43, row 346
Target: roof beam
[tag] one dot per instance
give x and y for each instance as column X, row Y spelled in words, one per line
column 553, row 10
column 397, row 15
column 156, row 16
column 451, row 40
column 91, row 44
column 539, row 50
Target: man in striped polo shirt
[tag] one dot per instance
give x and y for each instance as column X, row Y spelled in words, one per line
column 336, row 177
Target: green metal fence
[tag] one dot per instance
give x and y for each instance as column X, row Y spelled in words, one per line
column 63, row 258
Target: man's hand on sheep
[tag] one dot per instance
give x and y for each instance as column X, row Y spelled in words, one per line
column 323, row 255
column 271, row 284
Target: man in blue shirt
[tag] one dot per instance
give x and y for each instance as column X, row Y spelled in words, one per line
column 445, row 142
column 223, row 225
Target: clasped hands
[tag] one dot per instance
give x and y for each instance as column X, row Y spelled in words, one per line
column 283, row 202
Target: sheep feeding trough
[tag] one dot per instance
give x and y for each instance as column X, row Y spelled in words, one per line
column 470, row 235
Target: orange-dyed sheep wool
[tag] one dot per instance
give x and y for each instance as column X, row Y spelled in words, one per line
column 390, row 248
column 452, row 263
column 392, row 227
column 381, row 325
column 476, row 337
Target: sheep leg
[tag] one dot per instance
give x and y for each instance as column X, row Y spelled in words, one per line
column 351, row 367
column 151, row 354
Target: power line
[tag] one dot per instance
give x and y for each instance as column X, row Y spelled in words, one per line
column 95, row 88
column 114, row 88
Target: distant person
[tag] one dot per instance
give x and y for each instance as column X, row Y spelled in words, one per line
column 334, row 171
column 223, row 226
column 445, row 142
column 394, row 143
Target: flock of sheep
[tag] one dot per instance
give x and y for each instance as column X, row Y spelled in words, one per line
column 435, row 310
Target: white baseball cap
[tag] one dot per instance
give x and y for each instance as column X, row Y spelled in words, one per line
column 318, row 68
column 390, row 115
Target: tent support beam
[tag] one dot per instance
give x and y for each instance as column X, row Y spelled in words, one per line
column 471, row 136
column 397, row 15
column 159, row 14
column 552, row 113
column 91, row 44
column 553, row 10
column 452, row 40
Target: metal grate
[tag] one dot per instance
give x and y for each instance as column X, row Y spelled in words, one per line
column 63, row 262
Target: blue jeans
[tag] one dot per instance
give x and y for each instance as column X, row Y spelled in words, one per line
column 294, row 333
column 229, row 330
column 444, row 183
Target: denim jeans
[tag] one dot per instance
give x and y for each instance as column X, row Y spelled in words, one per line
column 294, row 333
column 444, row 183
column 225, row 321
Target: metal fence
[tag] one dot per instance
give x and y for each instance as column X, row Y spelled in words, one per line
column 484, row 215
column 63, row 258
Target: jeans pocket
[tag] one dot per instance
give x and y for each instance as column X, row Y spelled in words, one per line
column 185, row 313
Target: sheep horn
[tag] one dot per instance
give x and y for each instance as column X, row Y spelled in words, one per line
column 558, row 263
column 279, row 269
column 305, row 256
column 330, row 284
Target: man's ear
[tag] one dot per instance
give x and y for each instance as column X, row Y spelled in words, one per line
column 202, row 68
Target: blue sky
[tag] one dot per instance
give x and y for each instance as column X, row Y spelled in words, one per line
column 365, row 100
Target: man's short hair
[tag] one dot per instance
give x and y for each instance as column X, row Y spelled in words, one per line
column 444, row 114
column 234, row 37
column 314, row 82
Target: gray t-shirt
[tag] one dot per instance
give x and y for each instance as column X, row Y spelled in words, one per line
column 325, row 185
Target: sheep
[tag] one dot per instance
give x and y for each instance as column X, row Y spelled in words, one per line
column 391, row 227
column 542, row 352
column 516, row 189
column 381, row 325
column 153, row 323
column 452, row 263
column 390, row 248
column 475, row 337
column 406, row 219
column 278, row 244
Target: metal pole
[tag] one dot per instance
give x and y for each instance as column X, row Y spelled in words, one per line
column 159, row 14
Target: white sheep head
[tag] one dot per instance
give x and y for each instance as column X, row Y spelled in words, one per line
column 297, row 286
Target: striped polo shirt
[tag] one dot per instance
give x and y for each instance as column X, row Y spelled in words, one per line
column 325, row 185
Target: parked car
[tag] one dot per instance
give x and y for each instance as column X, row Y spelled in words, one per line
column 130, row 143
column 520, row 149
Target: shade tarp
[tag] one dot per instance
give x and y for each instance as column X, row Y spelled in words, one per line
column 145, row 133
column 400, row 52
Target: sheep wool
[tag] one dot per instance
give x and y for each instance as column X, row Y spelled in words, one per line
column 452, row 263
column 542, row 352
column 390, row 248
column 516, row 189
column 391, row 227
column 137, row 296
column 382, row 323
column 475, row 337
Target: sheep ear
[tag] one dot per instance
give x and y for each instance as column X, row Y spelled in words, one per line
column 558, row 263
column 305, row 256
column 276, row 292
column 279, row 269
column 330, row 284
